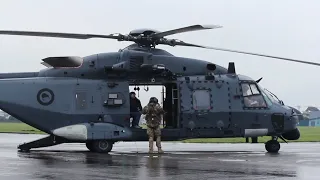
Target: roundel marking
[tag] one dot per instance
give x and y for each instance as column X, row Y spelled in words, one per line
column 45, row 97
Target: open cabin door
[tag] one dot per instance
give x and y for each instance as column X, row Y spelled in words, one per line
column 115, row 102
column 171, row 105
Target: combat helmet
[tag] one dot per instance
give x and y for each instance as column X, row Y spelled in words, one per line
column 153, row 100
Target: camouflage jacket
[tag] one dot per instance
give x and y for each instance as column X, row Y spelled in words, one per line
column 153, row 114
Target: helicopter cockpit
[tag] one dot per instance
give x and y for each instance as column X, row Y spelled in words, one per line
column 253, row 96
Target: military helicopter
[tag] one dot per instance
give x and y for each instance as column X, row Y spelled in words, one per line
column 86, row 99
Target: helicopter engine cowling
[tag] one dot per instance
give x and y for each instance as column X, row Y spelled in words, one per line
column 123, row 67
column 119, row 67
column 153, row 68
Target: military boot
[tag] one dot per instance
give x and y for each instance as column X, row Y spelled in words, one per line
column 151, row 145
column 158, row 143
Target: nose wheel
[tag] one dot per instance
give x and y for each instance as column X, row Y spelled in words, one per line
column 272, row 146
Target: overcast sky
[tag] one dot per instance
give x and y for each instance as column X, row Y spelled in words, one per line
column 288, row 28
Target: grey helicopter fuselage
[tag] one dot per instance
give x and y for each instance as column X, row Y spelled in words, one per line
column 87, row 99
column 91, row 102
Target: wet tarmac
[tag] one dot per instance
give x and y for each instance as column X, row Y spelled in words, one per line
column 130, row 160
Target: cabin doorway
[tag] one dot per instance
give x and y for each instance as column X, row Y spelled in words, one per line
column 167, row 96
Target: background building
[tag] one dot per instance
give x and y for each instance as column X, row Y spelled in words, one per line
column 4, row 117
column 311, row 117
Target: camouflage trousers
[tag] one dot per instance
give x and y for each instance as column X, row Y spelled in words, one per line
column 154, row 133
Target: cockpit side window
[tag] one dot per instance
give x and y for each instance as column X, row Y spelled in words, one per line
column 266, row 98
column 254, row 89
column 252, row 96
column 246, row 89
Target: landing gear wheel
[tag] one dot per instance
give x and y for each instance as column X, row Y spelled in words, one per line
column 102, row 146
column 272, row 146
column 89, row 145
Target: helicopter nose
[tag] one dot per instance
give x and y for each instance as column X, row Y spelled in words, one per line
column 294, row 133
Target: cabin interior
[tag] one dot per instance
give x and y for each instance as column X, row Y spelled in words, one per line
column 168, row 98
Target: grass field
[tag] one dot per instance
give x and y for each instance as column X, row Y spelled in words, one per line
column 18, row 128
column 308, row 134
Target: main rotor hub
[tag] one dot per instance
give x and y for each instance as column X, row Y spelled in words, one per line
column 143, row 37
column 144, row 32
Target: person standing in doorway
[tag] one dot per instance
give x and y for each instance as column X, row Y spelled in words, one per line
column 153, row 112
column 135, row 110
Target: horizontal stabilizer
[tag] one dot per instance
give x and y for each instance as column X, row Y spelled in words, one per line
column 56, row 62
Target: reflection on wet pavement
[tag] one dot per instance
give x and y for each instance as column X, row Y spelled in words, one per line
column 181, row 161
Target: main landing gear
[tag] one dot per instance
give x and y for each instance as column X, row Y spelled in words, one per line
column 272, row 146
column 100, row 146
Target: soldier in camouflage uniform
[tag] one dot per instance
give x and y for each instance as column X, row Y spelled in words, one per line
column 153, row 112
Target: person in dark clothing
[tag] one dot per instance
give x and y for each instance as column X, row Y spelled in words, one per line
column 135, row 110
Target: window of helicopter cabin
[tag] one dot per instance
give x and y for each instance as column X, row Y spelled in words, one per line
column 252, row 96
column 201, row 99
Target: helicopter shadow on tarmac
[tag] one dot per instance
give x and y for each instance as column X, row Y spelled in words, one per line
column 95, row 157
column 132, row 164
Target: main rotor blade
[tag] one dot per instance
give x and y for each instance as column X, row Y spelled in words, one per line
column 185, row 29
column 59, row 35
column 242, row 52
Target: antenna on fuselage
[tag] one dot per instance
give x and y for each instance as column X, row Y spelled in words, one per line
column 231, row 68
column 257, row 81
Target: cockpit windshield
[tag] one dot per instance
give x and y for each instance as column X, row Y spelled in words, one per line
column 273, row 97
column 253, row 97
